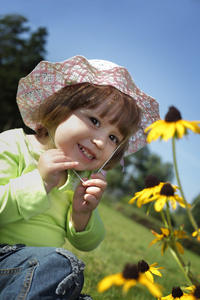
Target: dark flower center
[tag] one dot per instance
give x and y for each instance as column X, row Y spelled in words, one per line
column 143, row 266
column 197, row 292
column 151, row 181
column 167, row 190
column 177, row 292
column 173, row 115
column 130, row 271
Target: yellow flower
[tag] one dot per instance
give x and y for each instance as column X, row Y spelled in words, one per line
column 152, row 186
column 167, row 193
column 172, row 126
column 197, row 233
column 164, row 238
column 180, row 234
column 195, row 294
column 130, row 277
column 176, row 294
column 143, row 267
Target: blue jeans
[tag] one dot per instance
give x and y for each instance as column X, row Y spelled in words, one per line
column 35, row 273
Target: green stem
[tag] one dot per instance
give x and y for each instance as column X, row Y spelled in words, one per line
column 169, row 218
column 164, row 219
column 174, row 251
column 192, row 220
column 188, row 276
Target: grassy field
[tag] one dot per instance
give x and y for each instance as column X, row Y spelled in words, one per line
column 127, row 241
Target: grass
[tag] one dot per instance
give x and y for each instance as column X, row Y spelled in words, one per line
column 127, row 241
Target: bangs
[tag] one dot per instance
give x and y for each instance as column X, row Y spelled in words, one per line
column 120, row 110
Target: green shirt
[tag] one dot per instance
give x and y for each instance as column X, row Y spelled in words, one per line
column 27, row 214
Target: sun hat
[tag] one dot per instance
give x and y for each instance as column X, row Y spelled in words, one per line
column 47, row 78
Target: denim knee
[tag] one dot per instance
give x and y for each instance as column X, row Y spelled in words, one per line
column 34, row 273
column 75, row 278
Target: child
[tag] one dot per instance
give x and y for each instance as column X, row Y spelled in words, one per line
column 87, row 114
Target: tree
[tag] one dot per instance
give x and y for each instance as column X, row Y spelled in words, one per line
column 20, row 51
column 137, row 167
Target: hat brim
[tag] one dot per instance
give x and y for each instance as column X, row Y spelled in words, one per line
column 47, row 78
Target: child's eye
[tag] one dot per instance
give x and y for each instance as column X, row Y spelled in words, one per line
column 95, row 122
column 114, row 139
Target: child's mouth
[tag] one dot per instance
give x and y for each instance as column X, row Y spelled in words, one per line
column 86, row 153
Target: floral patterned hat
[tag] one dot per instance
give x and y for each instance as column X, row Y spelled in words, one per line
column 47, row 78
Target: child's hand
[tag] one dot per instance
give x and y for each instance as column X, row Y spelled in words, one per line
column 86, row 198
column 50, row 165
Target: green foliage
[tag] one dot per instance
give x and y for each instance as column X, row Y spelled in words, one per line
column 137, row 167
column 20, row 52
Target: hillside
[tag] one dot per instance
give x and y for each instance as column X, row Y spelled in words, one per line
column 127, row 241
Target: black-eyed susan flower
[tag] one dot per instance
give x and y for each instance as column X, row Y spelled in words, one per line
column 196, row 234
column 195, row 294
column 180, row 234
column 172, row 126
column 177, row 294
column 164, row 239
column 152, row 186
column 167, row 193
column 149, row 270
column 130, row 277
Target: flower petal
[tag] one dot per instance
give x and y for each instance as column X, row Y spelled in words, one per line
column 169, row 297
column 164, row 248
column 180, row 248
column 128, row 284
column 153, row 242
column 152, row 287
column 155, row 271
column 109, row 280
column 165, row 231
column 192, row 125
column 180, row 129
column 157, row 128
column 149, row 276
column 180, row 201
column 133, row 199
column 153, row 125
column 173, row 202
column 153, row 265
column 169, row 131
column 160, row 203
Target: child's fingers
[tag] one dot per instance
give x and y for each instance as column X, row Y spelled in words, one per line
column 69, row 165
column 91, row 201
column 102, row 184
column 94, row 191
column 55, row 160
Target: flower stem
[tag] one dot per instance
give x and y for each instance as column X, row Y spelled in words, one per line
column 164, row 219
column 192, row 220
column 188, row 275
column 174, row 251
column 169, row 218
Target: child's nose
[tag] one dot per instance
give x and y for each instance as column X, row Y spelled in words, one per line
column 99, row 142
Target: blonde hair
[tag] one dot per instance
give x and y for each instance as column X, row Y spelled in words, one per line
column 120, row 109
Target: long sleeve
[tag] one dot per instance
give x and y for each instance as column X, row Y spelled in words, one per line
column 91, row 237
column 27, row 214
column 19, row 180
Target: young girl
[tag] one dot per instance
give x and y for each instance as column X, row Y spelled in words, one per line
column 87, row 114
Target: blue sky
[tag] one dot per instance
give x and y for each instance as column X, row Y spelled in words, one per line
column 158, row 41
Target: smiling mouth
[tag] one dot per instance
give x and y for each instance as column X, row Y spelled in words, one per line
column 86, row 153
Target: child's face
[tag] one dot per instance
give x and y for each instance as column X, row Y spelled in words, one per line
column 87, row 138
